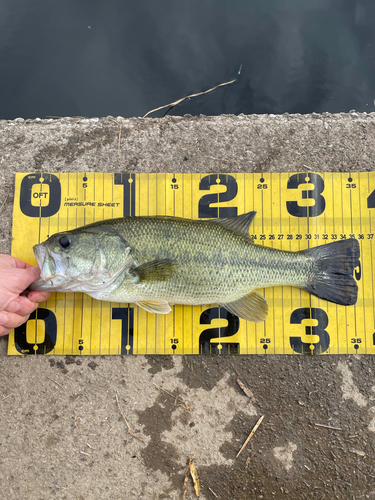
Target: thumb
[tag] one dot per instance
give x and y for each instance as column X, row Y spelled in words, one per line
column 30, row 275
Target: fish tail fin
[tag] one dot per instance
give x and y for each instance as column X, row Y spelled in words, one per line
column 334, row 264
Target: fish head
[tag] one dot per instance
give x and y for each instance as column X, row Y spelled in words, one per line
column 81, row 260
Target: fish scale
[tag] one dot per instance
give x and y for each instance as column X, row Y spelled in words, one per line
column 214, row 263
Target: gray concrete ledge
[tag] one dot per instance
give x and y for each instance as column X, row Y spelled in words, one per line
column 61, row 432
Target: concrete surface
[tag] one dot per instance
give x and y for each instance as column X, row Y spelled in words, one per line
column 62, row 433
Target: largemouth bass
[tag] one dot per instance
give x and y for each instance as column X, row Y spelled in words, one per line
column 155, row 262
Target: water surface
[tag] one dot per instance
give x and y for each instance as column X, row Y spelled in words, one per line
column 120, row 57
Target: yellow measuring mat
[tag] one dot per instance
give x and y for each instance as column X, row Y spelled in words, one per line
column 295, row 211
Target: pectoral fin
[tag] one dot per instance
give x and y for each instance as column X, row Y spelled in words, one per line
column 252, row 307
column 156, row 270
column 155, row 306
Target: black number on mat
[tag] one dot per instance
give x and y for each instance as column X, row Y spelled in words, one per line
column 204, row 208
column 50, row 334
column 128, row 182
column 223, row 332
column 126, row 315
column 299, row 210
column 322, row 345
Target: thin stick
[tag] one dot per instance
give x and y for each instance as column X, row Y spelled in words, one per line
column 195, row 477
column 355, row 163
column 11, row 394
column 119, row 141
column 54, row 381
column 248, row 460
column 329, row 427
column 129, row 429
column 357, row 452
column 250, row 435
column 182, row 402
column 212, row 491
column 184, row 489
column 172, row 104
column 3, row 202
column 247, row 391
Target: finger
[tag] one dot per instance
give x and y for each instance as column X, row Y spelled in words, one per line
column 9, row 320
column 33, row 272
column 22, row 306
column 20, row 264
column 17, row 280
column 38, row 297
column 27, row 276
column 4, row 331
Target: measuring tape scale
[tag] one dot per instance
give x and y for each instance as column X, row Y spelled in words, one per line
column 294, row 211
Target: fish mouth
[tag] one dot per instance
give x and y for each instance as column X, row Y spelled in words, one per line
column 52, row 269
column 40, row 254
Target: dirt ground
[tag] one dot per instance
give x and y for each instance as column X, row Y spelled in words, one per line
column 114, row 427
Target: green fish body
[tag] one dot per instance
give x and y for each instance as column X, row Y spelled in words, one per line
column 159, row 261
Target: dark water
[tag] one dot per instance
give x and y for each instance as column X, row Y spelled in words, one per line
column 121, row 57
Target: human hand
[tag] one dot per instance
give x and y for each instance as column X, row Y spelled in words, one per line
column 16, row 304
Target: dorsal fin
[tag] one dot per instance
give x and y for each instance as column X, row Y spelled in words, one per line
column 240, row 224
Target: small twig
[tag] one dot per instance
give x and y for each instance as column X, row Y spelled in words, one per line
column 357, row 452
column 212, row 491
column 247, row 391
column 358, row 157
column 119, row 134
column 57, row 383
column 194, row 475
column 3, row 202
column 76, row 421
column 248, row 460
column 11, row 394
column 169, row 393
column 83, row 453
column 329, row 427
column 250, row 435
column 184, row 489
column 129, row 428
column 234, row 368
column 172, row 104
column 182, row 402
column 119, row 141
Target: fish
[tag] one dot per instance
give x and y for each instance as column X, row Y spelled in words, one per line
column 156, row 262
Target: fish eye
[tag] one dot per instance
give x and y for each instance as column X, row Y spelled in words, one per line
column 64, row 242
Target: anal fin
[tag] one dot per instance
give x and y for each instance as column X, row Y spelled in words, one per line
column 252, row 307
column 155, row 306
